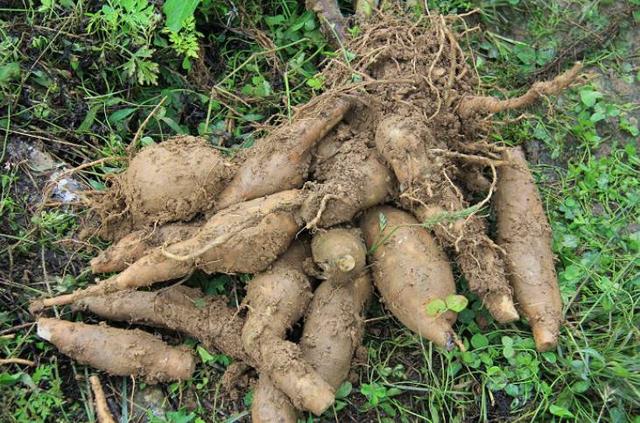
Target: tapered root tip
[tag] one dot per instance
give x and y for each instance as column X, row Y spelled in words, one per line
column 501, row 307
column 546, row 339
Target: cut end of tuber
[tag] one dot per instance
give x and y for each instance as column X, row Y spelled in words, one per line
column 546, row 339
column 501, row 307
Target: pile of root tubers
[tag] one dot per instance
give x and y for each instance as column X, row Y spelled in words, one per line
column 385, row 178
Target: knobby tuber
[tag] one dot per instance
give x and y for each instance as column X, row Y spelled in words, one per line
column 410, row 270
column 164, row 182
column 281, row 161
column 524, row 233
column 244, row 238
column 333, row 329
column 350, row 178
column 117, row 351
column 206, row 318
column 340, row 254
column 408, row 146
column 276, row 299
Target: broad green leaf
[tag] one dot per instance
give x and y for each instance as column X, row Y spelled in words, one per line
column 589, row 97
column 556, row 410
column 120, row 115
column 479, row 341
column 436, row 307
column 177, row 11
column 205, row 355
column 456, row 303
column 344, row 390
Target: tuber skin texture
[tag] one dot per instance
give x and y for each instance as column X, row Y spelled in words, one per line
column 333, row 329
column 524, row 233
column 245, row 238
column 410, row 271
column 117, row 351
column 271, row 405
column 135, row 245
column 166, row 182
column 351, row 178
column 183, row 309
column 281, row 161
column 406, row 146
column 276, row 299
column 340, row 253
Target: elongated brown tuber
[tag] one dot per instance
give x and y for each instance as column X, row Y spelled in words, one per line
column 411, row 150
column 340, row 253
column 276, row 299
column 179, row 308
column 410, row 271
column 524, row 233
column 333, row 329
column 281, row 161
column 135, row 245
column 117, row 351
column 486, row 104
column 243, row 238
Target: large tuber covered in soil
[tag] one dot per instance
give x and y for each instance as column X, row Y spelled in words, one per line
column 392, row 173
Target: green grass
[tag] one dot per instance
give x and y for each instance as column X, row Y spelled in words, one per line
column 80, row 79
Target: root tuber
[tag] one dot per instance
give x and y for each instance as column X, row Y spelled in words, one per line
column 428, row 192
column 244, row 238
column 410, row 271
column 351, row 179
column 340, row 253
column 524, row 233
column 276, row 299
column 135, row 245
column 281, row 161
column 117, row 351
column 102, row 409
column 179, row 308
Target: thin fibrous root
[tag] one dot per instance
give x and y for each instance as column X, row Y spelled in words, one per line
column 487, row 104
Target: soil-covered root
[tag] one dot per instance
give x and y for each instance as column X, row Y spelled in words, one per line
column 117, row 351
column 245, row 238
column 486, row 104
column 350, row 178
column 340, row 253
column 186, row 310
column 166, row 182
column 413, row 152
column 524, row 233
column 135, row 245
column 276, row 299
column 333, row 329
column 270, row 404
column 410, row 271
column 281, row 160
